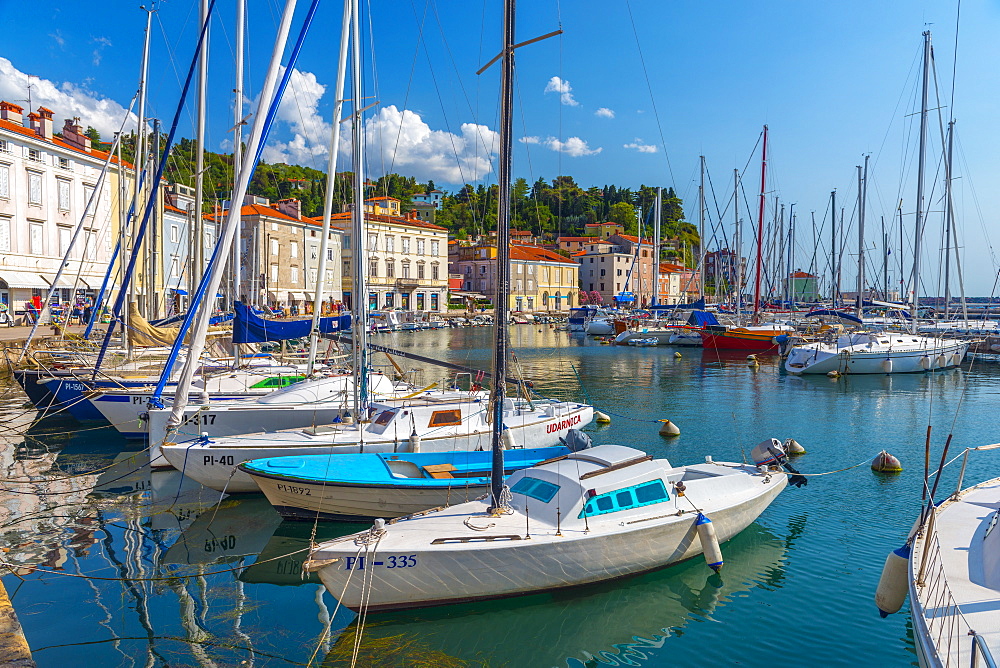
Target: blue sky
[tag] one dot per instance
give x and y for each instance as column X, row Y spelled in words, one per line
column 833, row 82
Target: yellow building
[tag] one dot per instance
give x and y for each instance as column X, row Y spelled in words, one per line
column 540, row 279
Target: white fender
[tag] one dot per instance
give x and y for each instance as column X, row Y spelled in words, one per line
column 925, row 363
column 887, row 365
column 709, row 542
column 892, row 586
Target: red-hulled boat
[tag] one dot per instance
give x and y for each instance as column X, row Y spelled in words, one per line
column 756, row 339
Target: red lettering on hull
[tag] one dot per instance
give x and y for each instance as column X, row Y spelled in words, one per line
column 563, row 424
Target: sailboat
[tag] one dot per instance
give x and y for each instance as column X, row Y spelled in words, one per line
column 885, row 351
column 598, row 514
column 427, row 420
column 756, row 337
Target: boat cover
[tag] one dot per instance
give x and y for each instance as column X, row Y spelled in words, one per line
column 702, row 319
column 249, row 328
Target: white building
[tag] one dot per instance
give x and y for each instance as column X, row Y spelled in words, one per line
column 407, row 258
column 45, row 182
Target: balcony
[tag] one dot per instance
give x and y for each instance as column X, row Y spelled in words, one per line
column 412, row 283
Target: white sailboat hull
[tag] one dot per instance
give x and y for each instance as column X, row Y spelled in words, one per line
column 520, row 559
column 877, row 359
column 214, row 464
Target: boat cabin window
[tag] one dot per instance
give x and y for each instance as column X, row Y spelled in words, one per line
column 535, row 488
column 384, row 418
column 635, row 496
column 445, row 418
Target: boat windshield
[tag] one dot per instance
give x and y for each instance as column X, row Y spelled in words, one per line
column 535, row 488
column 625, row 498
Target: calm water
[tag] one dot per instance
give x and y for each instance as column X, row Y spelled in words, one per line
column 219, row 584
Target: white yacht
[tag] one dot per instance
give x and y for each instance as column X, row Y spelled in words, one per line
column 598, row 514
column 438, row 422
column 876, row 352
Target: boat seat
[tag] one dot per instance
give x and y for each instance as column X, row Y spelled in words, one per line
column 439, row 471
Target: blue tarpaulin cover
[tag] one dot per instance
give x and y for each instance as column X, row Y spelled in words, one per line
column 843, row 315
column 248, row 328
column 702, row 319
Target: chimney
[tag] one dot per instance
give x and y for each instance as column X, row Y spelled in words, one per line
column 44, row 123
column 289, row 207
column 72, row 133
column 11, row 112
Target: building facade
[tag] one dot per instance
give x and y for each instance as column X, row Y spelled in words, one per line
column 541, row 279
column 407, row 259
column 46, row 181
column 617, row 265
column 280, row 252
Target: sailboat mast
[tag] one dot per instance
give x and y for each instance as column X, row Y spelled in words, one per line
column 738, row 242
column 501, row 304
column 657, row 213
column 834, row 288
column 331, row 180
column 359, row 254
column 760, row 228
column 861, row 240
column 237, row 276
column 139, row 158
column 198, row 252
column 921, row 159
column 701, row 229
column 948, row 222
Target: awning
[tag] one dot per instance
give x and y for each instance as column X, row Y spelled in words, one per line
column 22, row 279
column 296, row 296
column 309, row 296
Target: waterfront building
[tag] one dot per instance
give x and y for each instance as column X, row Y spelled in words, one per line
column 407, row 258
column 803, row 287
column 720, row 271
column 617, row 264
column 425, row 205
column 280, row 249
column 46, row 180
column 678, row 284
column 541, row 279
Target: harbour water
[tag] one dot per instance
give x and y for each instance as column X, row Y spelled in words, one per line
column 114, row 566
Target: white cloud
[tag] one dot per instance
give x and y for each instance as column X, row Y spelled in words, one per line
column 299, row 109
column 65, row 99
column 561, row 86
column 574, row 146
column 98, row 53
column 401, row 141
column 604, row 112
column 58, row 37
column 640, row 147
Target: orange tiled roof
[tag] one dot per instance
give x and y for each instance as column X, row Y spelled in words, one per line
column 56, row 141
column 801, row 274
column 537, row 253
column 379, row 218
column 635, row 240
column 561, row 239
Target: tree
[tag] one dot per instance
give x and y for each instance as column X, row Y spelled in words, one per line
column 624, row 214
column 94, row 135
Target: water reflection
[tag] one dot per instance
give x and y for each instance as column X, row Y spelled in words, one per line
column 615, row 623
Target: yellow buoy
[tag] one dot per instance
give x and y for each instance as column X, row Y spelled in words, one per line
column 668, row 428
column 886, row 463
column 792, row 447
column 833, row 374
column 677, row 355
column 601, row 418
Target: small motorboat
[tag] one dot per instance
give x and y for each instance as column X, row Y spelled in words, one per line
column 365, row 486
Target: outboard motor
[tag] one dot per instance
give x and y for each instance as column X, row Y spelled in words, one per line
column 576, row 440
column 771, row 453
